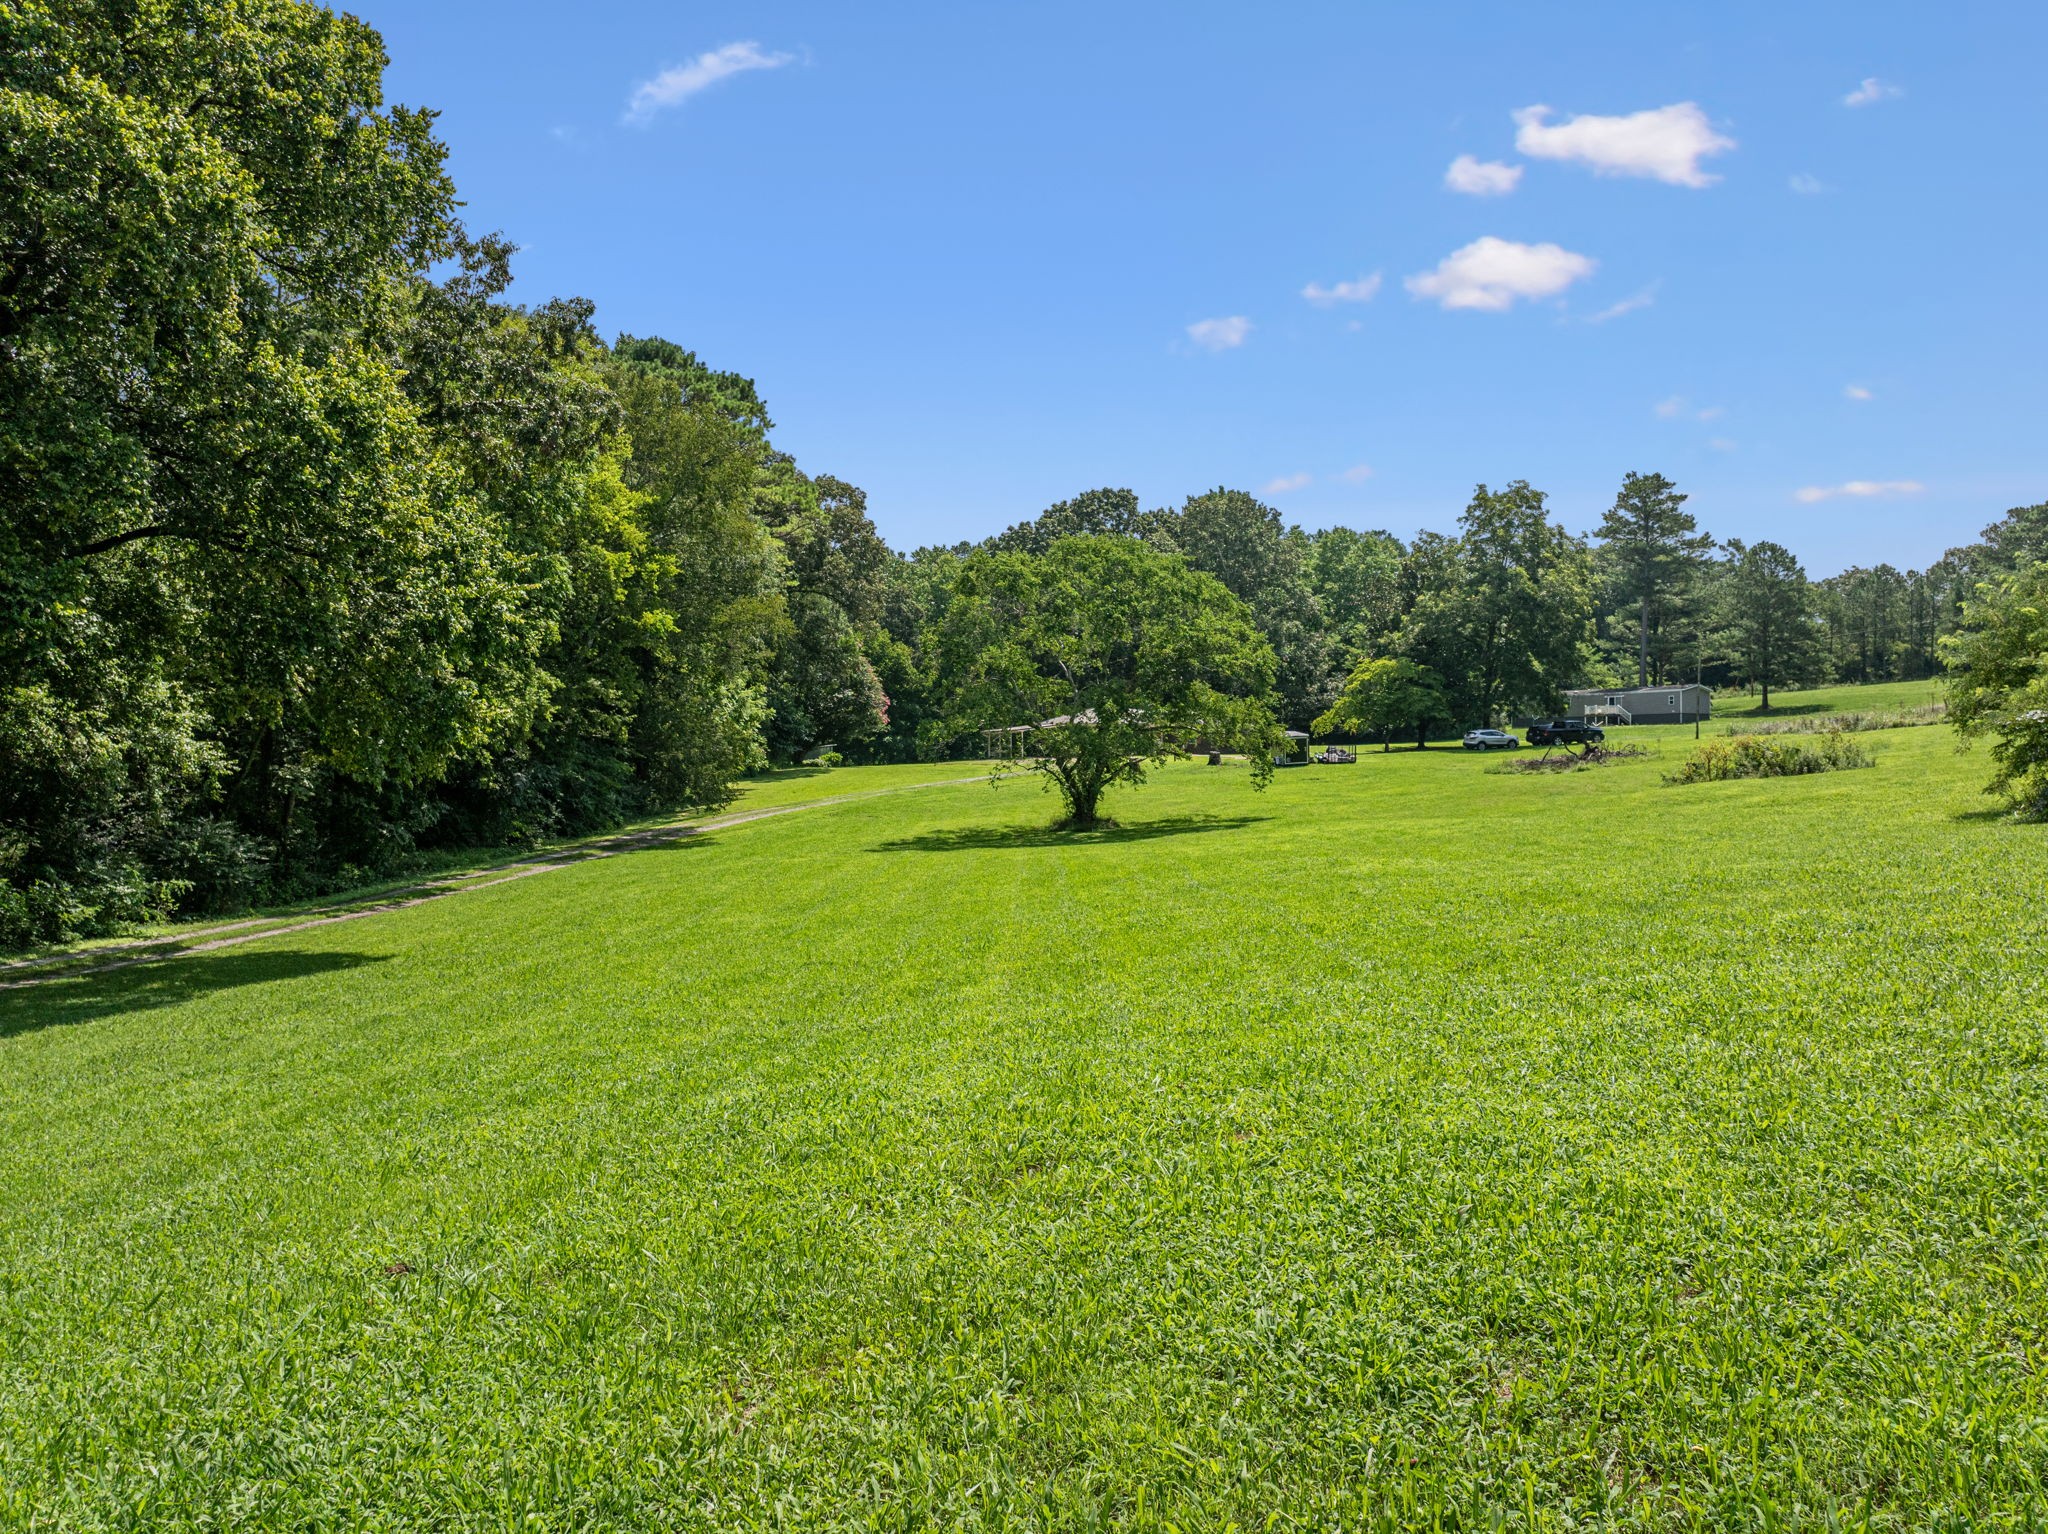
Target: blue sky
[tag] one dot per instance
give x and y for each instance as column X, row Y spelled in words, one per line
column 981, row 258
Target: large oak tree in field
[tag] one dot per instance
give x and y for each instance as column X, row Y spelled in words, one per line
column 1500, row 612
column 1120, row 657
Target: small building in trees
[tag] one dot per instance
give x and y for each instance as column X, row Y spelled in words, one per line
column 1678, row 703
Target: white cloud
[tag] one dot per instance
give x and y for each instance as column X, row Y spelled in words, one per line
column 1285, row 483
column 1628, row 305
column 1858, row 487
column 1666, row 143
column 1721, row 444
column 1870, row 92
column 1220, row 335
column 1679, row 408
column 1356, row 292
column 1807, row 186
column 1492, row 273
column 679, row 82
column 1481, row 178
column 1357, row 474
column 1856, row 392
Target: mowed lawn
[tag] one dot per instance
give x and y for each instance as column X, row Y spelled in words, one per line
column 1412, row 1144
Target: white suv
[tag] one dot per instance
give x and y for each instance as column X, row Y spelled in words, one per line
column 1490, row 740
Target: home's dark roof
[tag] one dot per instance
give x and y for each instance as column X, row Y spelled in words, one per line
column 1624, row 692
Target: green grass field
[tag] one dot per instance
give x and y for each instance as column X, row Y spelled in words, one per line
column 1414, row 1144
column 1824, row 700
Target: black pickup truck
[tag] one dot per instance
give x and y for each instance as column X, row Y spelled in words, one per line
column 1564, row 732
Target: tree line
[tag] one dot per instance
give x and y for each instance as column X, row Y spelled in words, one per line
column 317, row 553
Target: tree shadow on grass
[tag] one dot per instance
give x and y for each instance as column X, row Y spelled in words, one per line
column 1786, row 711
column 679, row 843
column 1990, row 816
column 1010, row 838
column 160, row 983
column 780, row 774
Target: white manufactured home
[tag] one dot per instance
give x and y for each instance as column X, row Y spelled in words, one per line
column 1679, row 703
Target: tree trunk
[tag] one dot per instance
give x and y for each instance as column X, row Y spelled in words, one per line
column 1643, row 643
column 1084, row 794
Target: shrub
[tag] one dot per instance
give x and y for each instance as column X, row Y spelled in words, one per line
column 1755, row 756
column 106, row 900
column 220, row 868
column 2021, row 753
column 1998, row 685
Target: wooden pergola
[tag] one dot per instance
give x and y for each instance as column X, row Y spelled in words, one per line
column 1006, row 744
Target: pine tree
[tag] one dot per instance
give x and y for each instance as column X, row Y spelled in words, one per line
column 1768, row 613
column 1654, row 547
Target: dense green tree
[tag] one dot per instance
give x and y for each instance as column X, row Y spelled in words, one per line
column 1107, row 511
column 101, row 790
column 822, row 679
column 1503, row 611
column 307, row 558
column 1998, row 662
column 1385, row 697
column 2015, row 542
column 1120, row 655
column 919, row 589
column 1864, row 616
column 2018, row 540
column 823, row 685
column 1237, row 538
column 519, row 417
column 831, row 545
column 211, row 240
column 730, row 395
column 1767, row 616
column 1356, row 581
column 209, row 233
column 1925, row 596
column 703, row 602
column 1651, row 548
column 208, row 228
column 1242, row 542
column 822, row 688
